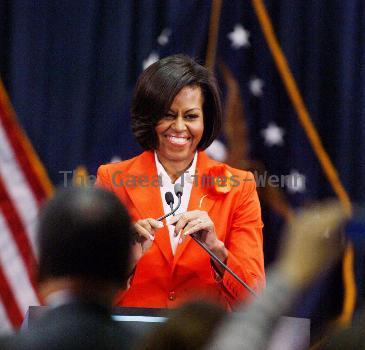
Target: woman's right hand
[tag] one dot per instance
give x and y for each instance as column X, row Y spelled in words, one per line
column 145, row 231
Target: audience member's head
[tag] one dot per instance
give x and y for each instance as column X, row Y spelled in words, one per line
column 189, row 327
column 84, row 239
column 312, row 243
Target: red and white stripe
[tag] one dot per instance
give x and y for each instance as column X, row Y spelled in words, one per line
column 21, row 194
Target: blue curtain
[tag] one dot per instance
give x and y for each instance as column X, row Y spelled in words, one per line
column 70, row 68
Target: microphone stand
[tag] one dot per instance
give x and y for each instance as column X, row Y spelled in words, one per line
column 194, row 236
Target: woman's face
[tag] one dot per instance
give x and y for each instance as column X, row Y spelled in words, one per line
column 181, row 130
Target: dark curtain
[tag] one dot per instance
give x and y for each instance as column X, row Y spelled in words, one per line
column 70, row 67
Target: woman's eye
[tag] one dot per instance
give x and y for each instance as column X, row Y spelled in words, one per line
column 191, row 116
column 169, row 116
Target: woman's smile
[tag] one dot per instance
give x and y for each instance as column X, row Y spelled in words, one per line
column 178, row 140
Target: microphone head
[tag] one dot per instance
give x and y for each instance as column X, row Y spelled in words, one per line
column 169, row 198
column 178, row 189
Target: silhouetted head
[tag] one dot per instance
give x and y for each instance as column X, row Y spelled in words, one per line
column 84, row 233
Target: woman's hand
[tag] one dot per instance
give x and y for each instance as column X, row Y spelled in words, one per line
column 145, row 231
column 198, row 221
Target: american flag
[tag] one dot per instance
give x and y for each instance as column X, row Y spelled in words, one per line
column 23, row 187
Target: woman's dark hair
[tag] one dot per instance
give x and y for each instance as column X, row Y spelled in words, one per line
column 156, row 89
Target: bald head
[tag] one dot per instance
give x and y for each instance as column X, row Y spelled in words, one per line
column 84, row 233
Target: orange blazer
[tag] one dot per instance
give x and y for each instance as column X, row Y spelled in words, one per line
column 164, row 280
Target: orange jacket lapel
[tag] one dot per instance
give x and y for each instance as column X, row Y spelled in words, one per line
column 146, row 196
column 199, row 198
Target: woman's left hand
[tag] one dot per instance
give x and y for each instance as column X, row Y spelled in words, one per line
column 198, row 221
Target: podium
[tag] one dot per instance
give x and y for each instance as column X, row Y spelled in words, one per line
column 142, row 320
column 292, row 333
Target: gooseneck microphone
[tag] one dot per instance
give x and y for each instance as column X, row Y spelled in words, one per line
column 178, row 191
column 178, row 188
column 169, row 198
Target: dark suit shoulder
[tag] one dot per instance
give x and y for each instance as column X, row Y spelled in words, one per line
column 76, row 327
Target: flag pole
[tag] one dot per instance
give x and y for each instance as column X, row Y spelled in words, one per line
column 213, row 32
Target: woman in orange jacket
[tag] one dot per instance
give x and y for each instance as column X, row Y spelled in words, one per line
column 176, row 114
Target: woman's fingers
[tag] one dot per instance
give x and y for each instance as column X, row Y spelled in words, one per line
column 195, row 229
column 188, row 220
column 193, row 226
column 144, row 233
column 146, row 227
column 181, row 220
column 181, row 223
column 154, row 223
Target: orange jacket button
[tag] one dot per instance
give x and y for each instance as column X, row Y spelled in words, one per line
column 172, row 295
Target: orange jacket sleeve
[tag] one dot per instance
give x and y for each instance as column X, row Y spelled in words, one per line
column 244, row 243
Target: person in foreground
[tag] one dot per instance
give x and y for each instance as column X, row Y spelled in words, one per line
column 189, row 327
column 313, row 242
column 84, row 243
column 176, row 115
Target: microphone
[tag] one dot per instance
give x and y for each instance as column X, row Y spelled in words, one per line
column 179, row 191
column 178, row 188
column 169, row 198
